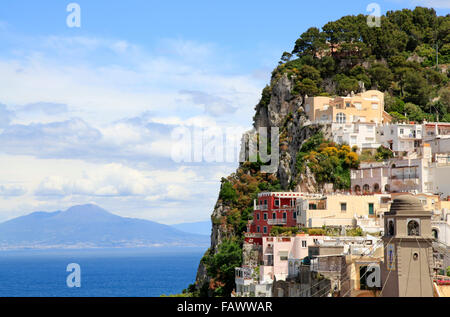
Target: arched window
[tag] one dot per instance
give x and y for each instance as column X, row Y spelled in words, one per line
column 357, row 189
column 391, row 229
column 413, row 228
column 435, row 233
column 366, row 188
column 376, row 188
column 387, row 188
column 340, row 117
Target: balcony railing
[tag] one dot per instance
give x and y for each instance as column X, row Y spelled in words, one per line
column 245, row 273
column 253, row 235
column 277, row 221
column 403, row 177
column 261, row 207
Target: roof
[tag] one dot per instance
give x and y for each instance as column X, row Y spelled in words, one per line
column 407, row 205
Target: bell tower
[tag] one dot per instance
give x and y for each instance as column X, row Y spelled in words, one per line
column 406, row 270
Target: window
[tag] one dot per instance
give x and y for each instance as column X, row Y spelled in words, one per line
column 277, row 202
column 283, row 255
column 343, row 207
column 374, row 106
column 347, row 104
column 358, row 105
column 325, row 107
column 340, row 117
column 284, row 215
column 303, row 243
column 265, row 201
column 413, row 228
column 366, row 188
column 371, row 212
column 258, row 229
column 294, row 215
column 274, row 216
column 257, row 216
column 265, row 216
column 435, row 233
column 265, row 229
column 391, row 229
column 292, row 202
column 401, row 131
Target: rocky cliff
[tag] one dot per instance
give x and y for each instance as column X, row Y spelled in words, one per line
column 279, row 107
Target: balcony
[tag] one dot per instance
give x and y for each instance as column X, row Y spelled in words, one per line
column 404, row 177
column 328, row 264
column 273, row 222
column 253, row 235
column 261, row 207
column 244, row 275
column 267, row 260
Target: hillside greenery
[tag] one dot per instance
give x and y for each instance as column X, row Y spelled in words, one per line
column 328, row 161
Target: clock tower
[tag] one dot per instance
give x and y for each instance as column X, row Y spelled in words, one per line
column 406, row 270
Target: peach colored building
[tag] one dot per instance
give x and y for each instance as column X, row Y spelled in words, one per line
column 366, row 106
column 277, row 251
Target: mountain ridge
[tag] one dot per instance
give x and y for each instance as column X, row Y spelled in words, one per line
column 90, row 226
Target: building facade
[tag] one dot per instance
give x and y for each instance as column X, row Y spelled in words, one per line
column 367, row 106
column 360, row 134
column 400, row 138
column 273, row 209
column 339, row 209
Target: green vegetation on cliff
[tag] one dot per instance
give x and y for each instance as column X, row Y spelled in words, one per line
column 328, row 161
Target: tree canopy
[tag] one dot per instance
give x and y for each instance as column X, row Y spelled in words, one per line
column 406, row 57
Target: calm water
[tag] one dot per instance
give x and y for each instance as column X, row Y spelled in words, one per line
column 123, row 273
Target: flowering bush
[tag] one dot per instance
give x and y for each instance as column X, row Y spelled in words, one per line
column 443, row 282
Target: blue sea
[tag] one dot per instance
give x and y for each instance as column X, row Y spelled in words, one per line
column 104, row 273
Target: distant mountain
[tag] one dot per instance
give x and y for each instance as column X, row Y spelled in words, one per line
column 89, row 226
column 201, row 227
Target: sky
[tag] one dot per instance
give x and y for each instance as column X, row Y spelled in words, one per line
column 89, row 114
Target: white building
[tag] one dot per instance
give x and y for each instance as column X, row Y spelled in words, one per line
column 400, row 137
column 360, row 134
column 418, row 172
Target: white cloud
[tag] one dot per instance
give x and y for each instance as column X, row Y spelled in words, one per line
column 89, row 120
column 108, row 180
column 12, row 190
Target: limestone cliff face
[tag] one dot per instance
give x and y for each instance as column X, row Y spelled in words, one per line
column 285, row 111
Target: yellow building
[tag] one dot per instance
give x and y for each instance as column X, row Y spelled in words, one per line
column 367, row 106
column 340, row 209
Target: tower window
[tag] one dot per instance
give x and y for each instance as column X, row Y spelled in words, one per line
column 391, row 230
column 413, row 228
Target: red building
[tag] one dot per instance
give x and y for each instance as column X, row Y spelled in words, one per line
column 273, row 209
